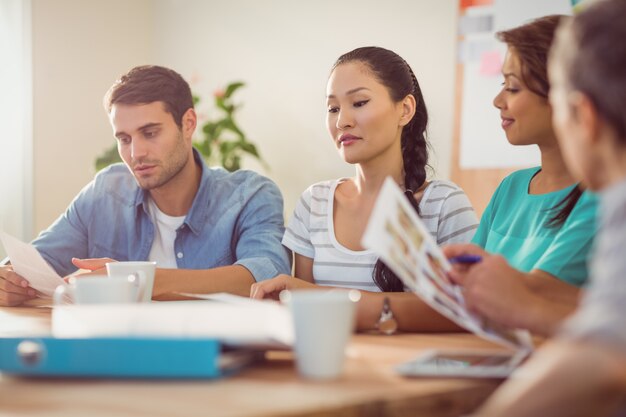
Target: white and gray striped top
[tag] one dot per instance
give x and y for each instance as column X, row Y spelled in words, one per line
column 446, row 212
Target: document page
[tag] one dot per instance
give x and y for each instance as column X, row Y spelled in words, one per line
column 29, row 263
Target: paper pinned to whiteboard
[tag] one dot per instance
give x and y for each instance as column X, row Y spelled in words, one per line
column 512, row 13
column 491, row 63
column 475, row 24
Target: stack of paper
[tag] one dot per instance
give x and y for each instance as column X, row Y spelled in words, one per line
column 263, row 324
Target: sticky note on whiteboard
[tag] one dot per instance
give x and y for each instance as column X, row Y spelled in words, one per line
column 490, row 63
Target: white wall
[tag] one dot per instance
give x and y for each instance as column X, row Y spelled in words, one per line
column 282, row 49
column 79, row 48
column 15, row 119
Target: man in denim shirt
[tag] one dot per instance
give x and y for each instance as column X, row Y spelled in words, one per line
column 208, row 230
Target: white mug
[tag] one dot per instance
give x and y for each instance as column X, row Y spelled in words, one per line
column 100, row 289
column 324, row 321
column 145, row 270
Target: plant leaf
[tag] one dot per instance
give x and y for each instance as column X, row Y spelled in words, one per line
column 232, row 87
column 250, row 148
column 220, row 103
column 110, row 156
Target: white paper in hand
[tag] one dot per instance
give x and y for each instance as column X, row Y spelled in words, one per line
column 28, row 262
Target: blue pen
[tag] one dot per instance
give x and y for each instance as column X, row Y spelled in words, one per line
column 465, row 259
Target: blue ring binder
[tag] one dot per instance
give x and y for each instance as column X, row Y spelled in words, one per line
column 120, row 357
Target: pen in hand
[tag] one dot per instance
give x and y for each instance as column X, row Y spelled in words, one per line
column 465, row 259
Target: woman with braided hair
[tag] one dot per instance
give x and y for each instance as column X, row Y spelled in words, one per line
column 377, row 120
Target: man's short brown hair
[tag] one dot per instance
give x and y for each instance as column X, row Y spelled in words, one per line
column 149, row 83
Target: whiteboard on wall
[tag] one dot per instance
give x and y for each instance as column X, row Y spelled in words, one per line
column 483, row 144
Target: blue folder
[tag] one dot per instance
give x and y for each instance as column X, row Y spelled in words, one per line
column 120, row 357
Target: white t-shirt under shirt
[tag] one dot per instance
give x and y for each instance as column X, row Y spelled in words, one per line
column 165, row 227
column 444, row 207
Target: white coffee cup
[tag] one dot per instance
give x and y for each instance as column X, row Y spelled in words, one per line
column 324, row 322
column 145, row 270
column 100, row 289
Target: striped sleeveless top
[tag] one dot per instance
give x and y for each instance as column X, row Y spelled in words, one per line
column 445, row 209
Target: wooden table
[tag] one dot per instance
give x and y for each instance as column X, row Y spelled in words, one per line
column 369, row 386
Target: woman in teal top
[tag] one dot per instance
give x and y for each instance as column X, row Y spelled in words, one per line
column 516, row 225
column 539, row 222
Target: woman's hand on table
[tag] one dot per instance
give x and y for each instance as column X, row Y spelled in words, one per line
column 271, row 288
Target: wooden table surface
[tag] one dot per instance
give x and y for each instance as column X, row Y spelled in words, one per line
column 368, row 387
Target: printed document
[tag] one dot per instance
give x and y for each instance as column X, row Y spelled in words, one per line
column 401, row 240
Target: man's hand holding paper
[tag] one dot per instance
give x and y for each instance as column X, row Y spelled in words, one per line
column 27, row 266
column 14, row 289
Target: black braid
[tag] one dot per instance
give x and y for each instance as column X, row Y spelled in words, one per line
column 415, row 159
column 414, row 145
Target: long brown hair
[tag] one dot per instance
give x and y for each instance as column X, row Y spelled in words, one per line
column 531, row 43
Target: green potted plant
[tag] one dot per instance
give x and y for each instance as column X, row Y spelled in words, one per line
column 222, row 142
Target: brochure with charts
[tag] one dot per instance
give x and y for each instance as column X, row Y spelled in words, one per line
column 402, row 241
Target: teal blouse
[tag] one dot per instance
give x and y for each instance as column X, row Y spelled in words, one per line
column 514, row 225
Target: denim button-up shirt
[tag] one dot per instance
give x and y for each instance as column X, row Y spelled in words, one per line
column 235, row 218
